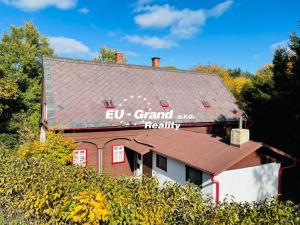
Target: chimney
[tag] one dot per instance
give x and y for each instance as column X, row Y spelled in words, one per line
column 119, row 58
column 155, row 62
column 239, row 136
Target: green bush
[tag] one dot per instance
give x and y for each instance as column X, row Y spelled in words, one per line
column 55, row 148
column 40, row 191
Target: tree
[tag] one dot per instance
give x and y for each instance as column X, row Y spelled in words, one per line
column 273, row 104
column 108, row 55
column 20, row 78
column 235, row 84
column 237, row 72
column 265, row 71
column 219, row 70
column 272, row 99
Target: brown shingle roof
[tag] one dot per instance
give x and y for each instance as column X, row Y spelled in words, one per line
column 201, row 151
column 75, row 89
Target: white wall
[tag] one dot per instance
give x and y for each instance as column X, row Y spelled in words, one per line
column 246, row 184
column 175, row 171
column 207, row 185
column 138, row 172
column 249, row 184
column 42, row 134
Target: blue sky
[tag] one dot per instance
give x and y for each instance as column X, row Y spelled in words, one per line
column 184, row 33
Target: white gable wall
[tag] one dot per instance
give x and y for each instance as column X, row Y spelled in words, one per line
column 246, row 184
column 207, row 186
column 175, row 171
column 249, row 184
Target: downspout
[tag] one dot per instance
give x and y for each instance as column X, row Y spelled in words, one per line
column 280, row 171
column 217, row 188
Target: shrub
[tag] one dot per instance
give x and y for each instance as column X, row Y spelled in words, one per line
column 40, row 191
column 89, row 207
column 55, row 148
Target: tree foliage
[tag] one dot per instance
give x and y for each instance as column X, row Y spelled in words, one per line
column 89, row 207
column 235, row 80
column 56, row 148
column 20, row 77
column 272, row 102
column 40, row 191
column 272, row 98
column 108, row 55
column 237, row 72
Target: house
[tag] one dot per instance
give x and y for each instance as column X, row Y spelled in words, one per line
column 176, row 125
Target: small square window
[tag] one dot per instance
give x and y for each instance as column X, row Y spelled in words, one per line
column 206, row 104
column 164, row 103
column 118, row 154
column 80, row 157
column 161, row 162
column 108, row 104
column 193, row 175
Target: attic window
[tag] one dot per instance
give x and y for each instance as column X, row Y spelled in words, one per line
column 206, row 104
column 164, row 103
column 108, row 104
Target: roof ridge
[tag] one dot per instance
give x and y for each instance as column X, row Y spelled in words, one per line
column 94, row 62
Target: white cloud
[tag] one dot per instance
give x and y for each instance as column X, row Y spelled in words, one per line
column 67, row 46
column 219, row 9
column 182, row 23
column 141, row 4
column 84, row 10
column 189, row 23
column 280, row 44
column 33, row 5
column 153, row 42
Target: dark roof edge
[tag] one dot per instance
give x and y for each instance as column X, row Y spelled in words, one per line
column 94, row 62
column 280, row 152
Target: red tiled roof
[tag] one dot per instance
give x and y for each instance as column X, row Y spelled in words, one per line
column 75, row 91
column 201, row 151
column 139, row 148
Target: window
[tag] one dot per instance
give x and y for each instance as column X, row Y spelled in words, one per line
column 206, row 104
column 164, row 103
column 108, row 104
column 161, row 162
column 80, row 157
column 118, row 154
column 139, row 156
column 193, row 175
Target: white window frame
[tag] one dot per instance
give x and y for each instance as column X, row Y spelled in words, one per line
column 76, row 158
column 118, row 154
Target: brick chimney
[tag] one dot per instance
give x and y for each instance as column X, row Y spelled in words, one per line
column 155, row 62
column 119, row 58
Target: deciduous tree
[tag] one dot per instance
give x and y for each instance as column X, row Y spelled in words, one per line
column 20, row 77
column 108, row 55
